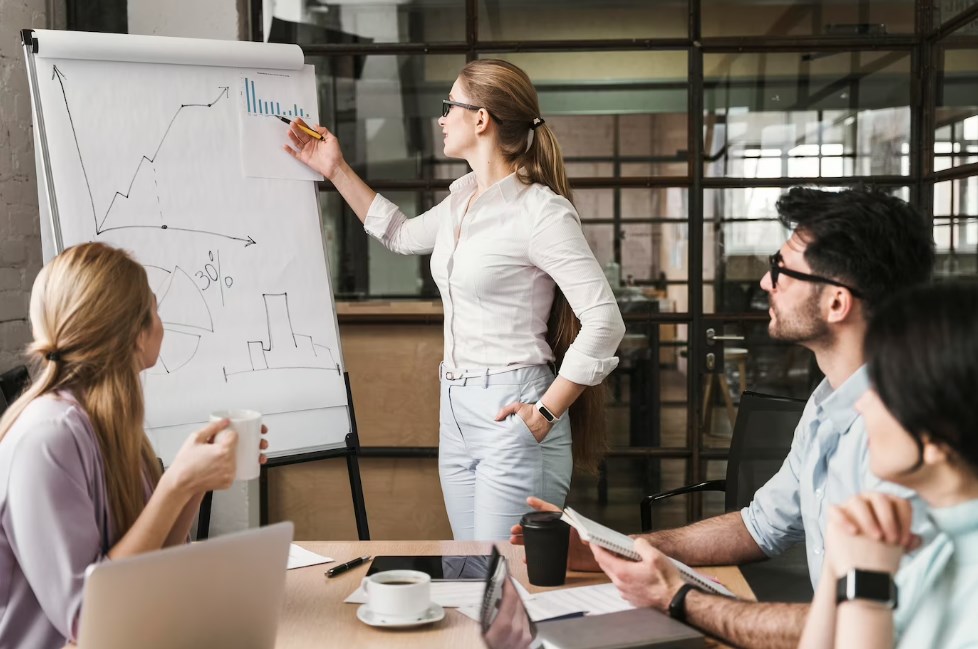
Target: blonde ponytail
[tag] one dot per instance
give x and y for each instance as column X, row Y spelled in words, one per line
column 88, row 307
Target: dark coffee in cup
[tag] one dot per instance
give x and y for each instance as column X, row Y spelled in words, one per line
column 545, row 537
column 401, row 582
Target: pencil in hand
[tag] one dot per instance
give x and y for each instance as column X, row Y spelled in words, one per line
column 305, row 129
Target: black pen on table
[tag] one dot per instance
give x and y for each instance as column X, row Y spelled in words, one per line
column 343, row 567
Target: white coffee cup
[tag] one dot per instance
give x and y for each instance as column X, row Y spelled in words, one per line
column 398, row 594
column 247, row 424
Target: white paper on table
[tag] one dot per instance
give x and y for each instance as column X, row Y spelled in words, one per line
column 263, row 95
column 448, row 594
column 593, row 600
column 301, row 558
column 475, row 611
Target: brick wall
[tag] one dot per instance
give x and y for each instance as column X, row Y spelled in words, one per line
column 20, row 241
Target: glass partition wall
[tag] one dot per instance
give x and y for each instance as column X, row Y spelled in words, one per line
column 681, row 121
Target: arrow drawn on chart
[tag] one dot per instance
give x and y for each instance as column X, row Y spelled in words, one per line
column 99, row 229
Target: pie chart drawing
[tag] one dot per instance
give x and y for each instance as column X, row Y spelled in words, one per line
column 185, row 315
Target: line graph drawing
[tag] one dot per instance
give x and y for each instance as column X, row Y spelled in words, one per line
column 145, row 162
column 185, row 315
column 285, row 349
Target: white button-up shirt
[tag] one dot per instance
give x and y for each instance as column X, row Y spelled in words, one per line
column 497, row 278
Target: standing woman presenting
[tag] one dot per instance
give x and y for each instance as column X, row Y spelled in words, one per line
column 513, row 268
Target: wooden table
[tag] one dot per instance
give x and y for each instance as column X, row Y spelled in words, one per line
column 314, row 615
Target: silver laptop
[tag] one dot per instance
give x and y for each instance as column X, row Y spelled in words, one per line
column 223, row 592
column 507, row 625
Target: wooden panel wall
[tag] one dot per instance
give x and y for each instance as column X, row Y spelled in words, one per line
column 393, row 369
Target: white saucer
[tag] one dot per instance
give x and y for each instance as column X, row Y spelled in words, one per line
column 434, row 613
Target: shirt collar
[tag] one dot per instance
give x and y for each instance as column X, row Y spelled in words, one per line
column 509, row 187
column 960, row 523
column 839, row 405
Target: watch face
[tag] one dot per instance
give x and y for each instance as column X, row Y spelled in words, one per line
column 868, row 585
column 546, row 413
column 874, row 585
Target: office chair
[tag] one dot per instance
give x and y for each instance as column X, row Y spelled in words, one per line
column 762, row 435
column 12, row 383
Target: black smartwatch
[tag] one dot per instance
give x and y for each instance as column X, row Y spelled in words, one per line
column 677, row 607
column 867, row 585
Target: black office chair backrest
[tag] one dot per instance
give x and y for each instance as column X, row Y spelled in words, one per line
column 12, row 383
column 761, row 440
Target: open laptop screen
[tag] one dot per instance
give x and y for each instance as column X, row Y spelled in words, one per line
column 505, row 621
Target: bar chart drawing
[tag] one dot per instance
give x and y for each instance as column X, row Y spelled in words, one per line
column 285, row 349
column 259, row 105
column 265, row 98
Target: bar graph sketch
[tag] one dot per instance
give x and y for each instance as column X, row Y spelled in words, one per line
column 260, row 105
column 284, row 349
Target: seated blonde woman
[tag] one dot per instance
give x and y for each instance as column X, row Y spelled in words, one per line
column 922, row 425
column 79, row 481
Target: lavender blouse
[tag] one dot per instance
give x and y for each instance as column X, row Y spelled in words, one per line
column 54, row 521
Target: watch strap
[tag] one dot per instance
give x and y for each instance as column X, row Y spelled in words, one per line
column 546, row 412
column 677, row 607
column 867, row 585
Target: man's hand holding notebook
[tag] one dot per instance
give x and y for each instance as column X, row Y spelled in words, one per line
column 605, row 537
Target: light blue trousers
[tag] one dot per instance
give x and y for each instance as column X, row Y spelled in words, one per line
column 488, row 468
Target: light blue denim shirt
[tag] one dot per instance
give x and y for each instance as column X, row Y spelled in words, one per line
column 938, row 588
column 828, row 463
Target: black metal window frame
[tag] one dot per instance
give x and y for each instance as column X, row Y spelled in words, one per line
column 923, row 46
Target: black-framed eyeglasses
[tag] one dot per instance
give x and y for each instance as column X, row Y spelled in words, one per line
column 446, row 105
column 777, row 269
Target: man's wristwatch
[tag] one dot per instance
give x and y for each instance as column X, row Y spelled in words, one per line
column 545, row 411
column 677, row 607
column 867, row 585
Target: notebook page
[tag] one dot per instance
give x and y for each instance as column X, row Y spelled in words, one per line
column 594, row 532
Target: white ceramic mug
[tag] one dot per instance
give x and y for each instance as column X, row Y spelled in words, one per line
column 247, row 424
column 398, row 594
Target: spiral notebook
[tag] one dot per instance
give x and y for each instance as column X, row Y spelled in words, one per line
column 609, row 539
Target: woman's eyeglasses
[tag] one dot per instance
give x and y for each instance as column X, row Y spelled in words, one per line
column 777, row 269
column 446, row 105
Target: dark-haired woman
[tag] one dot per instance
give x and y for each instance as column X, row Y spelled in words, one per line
column 922, row 425
column 513, row 268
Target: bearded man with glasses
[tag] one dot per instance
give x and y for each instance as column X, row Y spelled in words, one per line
column 848, row 251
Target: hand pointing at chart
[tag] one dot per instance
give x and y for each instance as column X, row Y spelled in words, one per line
column 322, row 155
column 326, row 157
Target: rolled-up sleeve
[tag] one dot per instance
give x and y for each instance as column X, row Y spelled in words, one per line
column 387, row 223
column 558, row 248
column 51, row 520
column 774, row 517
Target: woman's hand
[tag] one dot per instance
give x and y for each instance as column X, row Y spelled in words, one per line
column 870, row 531
column 263, row 445
column 538, row 426
column 205, row 462
column 323, row 155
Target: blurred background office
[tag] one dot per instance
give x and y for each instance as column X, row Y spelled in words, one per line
column 682, row 121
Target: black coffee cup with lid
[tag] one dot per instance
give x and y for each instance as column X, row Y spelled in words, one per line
column 545, row 537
